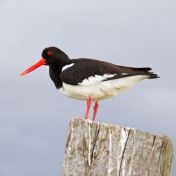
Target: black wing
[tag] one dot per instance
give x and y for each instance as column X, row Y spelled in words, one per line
column 85, row 68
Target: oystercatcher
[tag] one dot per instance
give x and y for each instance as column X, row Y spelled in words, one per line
column 89, row 79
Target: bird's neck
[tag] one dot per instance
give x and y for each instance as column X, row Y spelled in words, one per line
column 55, row 71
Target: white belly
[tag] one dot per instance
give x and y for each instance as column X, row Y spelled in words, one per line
column 101, row 90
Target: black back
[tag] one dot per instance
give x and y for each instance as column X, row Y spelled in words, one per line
column 84, row 68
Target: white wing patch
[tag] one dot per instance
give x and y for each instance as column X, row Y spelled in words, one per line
column 67, row 66
column 93, row 80
column 124, row 73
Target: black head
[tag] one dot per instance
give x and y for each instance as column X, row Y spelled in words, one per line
column 54, row 56
column 51, row 56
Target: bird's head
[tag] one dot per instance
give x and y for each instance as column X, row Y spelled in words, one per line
column 51, row 56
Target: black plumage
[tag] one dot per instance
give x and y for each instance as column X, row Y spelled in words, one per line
column 85, row 68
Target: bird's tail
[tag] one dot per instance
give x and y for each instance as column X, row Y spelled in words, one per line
column 147, row 71
column 152, row 75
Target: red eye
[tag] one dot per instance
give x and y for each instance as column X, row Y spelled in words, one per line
column 50, row 53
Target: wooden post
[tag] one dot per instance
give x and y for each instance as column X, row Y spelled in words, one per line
column 99, row 149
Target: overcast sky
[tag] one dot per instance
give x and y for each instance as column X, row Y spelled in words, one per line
column 34, row 116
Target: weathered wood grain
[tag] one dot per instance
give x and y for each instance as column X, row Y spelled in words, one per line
column 99, row 149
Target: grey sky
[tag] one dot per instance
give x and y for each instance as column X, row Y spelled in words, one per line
column 34, row 116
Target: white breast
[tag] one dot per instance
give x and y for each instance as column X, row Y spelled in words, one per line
column 101, row 90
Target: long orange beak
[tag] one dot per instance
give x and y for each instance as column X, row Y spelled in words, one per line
column 36, row 65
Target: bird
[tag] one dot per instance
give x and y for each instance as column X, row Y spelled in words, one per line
column 87, row 79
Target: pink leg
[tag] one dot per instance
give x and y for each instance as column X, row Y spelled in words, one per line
column 96, row 106
column 89, row 102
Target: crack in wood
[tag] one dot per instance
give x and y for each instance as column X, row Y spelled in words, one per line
column 160, row 156
column 124, row 151
column 153, row 145
column 94, row 144
column 154, row 138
